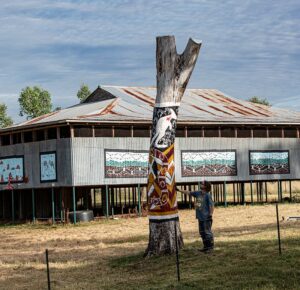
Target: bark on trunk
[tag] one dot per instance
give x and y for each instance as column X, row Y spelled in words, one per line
column 173, row 74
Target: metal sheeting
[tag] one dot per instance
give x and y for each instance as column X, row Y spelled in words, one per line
column 133, row 104
column 89, row 160
column 31, row 152
column 81, row 161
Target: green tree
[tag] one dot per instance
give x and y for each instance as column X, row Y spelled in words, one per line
column 34, row 102
column 258, row 100
column 5, row 121
column 83, row 92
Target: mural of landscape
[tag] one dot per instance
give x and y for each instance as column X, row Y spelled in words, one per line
column 126, row 164
column 208, row 163
column 11, row 168
column 48, row 166
column 269, row 162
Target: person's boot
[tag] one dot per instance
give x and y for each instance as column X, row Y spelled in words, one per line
column 205, row 247
column 210, row 247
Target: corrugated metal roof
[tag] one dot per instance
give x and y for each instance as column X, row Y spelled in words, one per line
column 135, row 104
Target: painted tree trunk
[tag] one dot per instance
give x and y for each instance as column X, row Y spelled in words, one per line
column 173, row 74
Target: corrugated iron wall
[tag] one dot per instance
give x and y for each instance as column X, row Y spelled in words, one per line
column 88, row 157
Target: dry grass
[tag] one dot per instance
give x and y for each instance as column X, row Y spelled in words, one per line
column 107, row 254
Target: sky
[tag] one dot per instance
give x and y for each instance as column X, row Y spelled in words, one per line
column 249, row 48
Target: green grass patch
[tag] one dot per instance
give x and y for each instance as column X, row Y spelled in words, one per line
column 233, row 265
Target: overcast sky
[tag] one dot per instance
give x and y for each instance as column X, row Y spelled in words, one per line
column 250, row 48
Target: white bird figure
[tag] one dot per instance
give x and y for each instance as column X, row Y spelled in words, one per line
column 163, row 124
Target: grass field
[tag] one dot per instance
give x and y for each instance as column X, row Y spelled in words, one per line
column 107, row 254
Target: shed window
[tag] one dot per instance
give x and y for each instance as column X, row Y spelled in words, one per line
column 103, row 131
column 28, row 136
column 194, row 132
column 180, row 131
column 52, row 133
column 40, row 135
column 290, row 133
column 211, row 132
column 243, row 132
column 141, row 131
column 259, row 132
column 17, row 138
column 5, row 139
column 228, row 132
column 65, row 132
column 275, row 132
column 123, row 131
column 83, row 131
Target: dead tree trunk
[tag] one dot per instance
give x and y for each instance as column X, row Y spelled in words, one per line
column 173, row 74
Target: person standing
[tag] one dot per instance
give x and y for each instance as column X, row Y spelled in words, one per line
column 204, row 206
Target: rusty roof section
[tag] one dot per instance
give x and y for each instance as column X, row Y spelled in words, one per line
column 120, row 104
column 39, row 118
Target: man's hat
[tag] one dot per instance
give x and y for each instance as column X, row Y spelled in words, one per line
column 207, row 185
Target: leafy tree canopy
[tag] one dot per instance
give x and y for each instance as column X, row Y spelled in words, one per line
column 34, row 102
column 83, row 92
column 259, row 100
column 5, row 121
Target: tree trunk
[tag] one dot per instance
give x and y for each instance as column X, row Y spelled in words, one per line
column 173, row 74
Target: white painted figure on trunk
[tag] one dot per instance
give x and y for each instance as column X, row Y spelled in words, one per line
column 163, row 124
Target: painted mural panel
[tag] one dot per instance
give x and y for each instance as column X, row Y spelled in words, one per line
column 126, row 164
column 48, row 166
column 269, row 162
column 12, row 168
column 208, row 163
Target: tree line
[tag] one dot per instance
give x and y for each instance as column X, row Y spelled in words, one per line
column 35, row 101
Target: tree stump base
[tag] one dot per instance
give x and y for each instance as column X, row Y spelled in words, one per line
column 162, row 238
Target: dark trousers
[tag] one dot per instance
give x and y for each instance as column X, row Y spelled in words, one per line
column 206, row 233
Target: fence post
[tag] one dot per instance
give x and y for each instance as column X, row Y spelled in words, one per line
column 177, row 254
column 48, row 271
column 278, row 230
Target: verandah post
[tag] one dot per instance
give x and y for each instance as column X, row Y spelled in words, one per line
column 53, row 205
column 106, row 201
column 139, row 199
column 33, row 205
column 61, row 206
column 290, row 187
column 74, row 203
column 225, row 194
column 13, row 205
column 251, row 191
